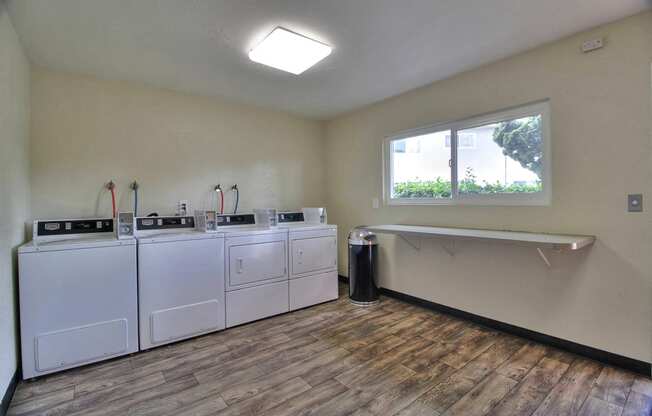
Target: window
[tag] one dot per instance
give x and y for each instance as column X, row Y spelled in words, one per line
column 501, row 158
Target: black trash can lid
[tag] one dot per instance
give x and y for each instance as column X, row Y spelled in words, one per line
column 362, row 237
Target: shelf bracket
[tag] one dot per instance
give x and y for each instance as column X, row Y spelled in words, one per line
column 544, row 257
column 416, row 246
column 448, row 250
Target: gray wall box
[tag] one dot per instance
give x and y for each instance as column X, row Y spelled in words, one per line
column 635, row 203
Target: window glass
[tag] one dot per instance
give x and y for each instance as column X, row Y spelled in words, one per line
column 507, row 158
column 420, row 166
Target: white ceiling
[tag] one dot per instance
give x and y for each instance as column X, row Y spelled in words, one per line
column 381, row 47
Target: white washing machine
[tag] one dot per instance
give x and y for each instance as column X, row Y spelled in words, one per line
column 180, row 280
column 255, row 269
column 312, row 260
column 77, row 295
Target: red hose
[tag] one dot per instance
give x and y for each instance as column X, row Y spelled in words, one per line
column 221, row 202
column 112, row 188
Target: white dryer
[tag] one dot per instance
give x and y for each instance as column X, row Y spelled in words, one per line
column 255, row 269
column 180, row 280
column 77, row 295
column 312, row 260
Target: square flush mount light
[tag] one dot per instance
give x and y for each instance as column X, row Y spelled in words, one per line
column 289, row 51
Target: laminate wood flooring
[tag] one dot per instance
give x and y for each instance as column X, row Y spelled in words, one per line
column 339, row 359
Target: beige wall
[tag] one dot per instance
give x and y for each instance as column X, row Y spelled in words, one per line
column 601, row 120
column 14, row 184
column 86, row 131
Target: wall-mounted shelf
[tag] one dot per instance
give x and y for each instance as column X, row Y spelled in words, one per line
column 541, row 241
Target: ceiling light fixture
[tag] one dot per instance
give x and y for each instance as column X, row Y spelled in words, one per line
column 289, row 51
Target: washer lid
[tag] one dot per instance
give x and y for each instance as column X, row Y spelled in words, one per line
column 77, row 243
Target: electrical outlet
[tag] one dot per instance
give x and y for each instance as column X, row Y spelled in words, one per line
column 635, row 202
column 592, row 44
column 183, row 207
column 375, row 203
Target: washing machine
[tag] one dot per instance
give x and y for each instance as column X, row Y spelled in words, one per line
column 255, row 269
column 313, row 275
column 77, row 294
column 180, row 280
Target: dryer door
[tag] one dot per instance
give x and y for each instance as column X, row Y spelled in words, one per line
column 313, row 252
column 256, row 262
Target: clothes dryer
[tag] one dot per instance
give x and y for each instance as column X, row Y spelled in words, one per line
column 312, row 261
column 255, row 269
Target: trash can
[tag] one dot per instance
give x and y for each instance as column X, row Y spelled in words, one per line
column 363, row 248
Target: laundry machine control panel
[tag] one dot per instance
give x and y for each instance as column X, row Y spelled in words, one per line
column 235, row 219
column 290, row 217
column 164, row 223
column 68, row 227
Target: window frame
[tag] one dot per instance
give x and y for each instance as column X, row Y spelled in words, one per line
column 542, row 198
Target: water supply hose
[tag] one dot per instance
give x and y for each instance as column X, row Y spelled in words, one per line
column 220, row 199
column 134, row 187
column 111, row 187
column 234, row 188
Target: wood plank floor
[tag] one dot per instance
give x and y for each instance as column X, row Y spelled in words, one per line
column 338, row 359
